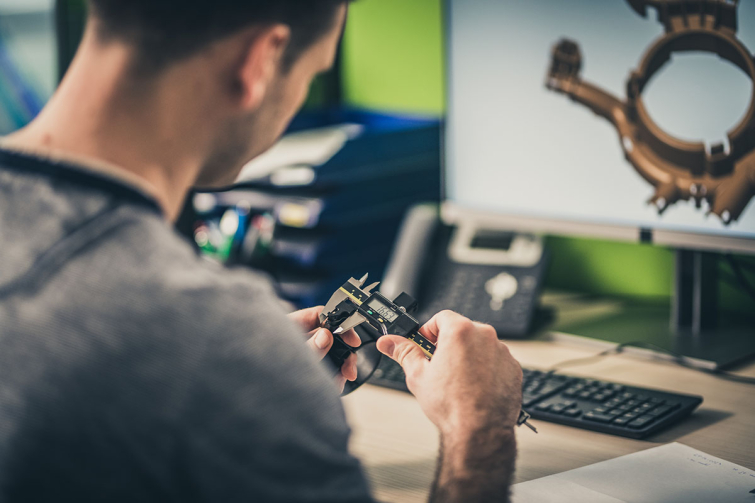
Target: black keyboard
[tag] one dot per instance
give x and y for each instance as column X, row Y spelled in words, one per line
column 607, row 407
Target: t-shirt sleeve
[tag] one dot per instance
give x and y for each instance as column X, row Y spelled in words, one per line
column 262, row 418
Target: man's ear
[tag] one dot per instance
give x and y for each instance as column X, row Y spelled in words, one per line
column 264, row 56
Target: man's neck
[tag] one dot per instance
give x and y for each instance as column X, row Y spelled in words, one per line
column 100, row 119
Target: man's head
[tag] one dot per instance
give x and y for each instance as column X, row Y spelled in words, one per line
column 251, row 62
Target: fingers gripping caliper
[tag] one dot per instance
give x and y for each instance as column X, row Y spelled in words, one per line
column 353, row 304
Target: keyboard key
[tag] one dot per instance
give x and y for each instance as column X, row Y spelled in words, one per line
column 599, row 418
column 572, row 412
column 558, row 408
column 660, row 411
column 528, row 400
column 586, row 395
column 544, row 407
column 615, row 402
column 641, row 422
column 621, row 421
column 551, row 388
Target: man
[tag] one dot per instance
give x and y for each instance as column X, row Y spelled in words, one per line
column 130, row 369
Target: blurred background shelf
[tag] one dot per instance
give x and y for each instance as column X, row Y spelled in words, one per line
column 25, row 7
column 28, row 60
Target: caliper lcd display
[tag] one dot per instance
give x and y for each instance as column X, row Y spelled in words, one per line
column 383, row 310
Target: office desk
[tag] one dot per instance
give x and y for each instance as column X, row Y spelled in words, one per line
column 399, row 446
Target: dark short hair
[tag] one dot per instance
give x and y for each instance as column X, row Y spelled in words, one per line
column 166, row 31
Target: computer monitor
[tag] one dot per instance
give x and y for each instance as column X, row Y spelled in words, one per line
column 622, row 119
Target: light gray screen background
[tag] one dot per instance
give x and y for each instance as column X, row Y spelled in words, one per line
column 515, row 148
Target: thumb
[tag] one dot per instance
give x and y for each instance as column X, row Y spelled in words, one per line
column 402, row 351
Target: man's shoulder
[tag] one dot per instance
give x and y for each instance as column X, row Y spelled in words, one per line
column 150, row 254
column 255, row 369
column 145, row 281
column 143, row 277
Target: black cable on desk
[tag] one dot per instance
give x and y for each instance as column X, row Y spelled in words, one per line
column 677, row 358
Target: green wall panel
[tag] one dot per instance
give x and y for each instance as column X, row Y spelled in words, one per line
column 393, row 57
column 610, row 268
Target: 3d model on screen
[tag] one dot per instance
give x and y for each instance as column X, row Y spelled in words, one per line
column 724, row 174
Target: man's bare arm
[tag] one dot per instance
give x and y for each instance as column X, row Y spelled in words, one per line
column 472, row 391
column 478, row 466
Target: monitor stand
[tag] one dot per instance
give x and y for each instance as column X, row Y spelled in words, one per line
column 707, row 336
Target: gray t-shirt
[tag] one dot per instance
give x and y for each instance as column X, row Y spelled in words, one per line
column 133, row 370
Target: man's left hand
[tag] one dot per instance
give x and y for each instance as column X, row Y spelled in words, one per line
column 321, row 340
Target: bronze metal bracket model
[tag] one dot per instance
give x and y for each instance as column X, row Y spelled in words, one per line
column 723, row 174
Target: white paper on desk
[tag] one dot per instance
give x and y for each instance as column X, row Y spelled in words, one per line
column 672, row 473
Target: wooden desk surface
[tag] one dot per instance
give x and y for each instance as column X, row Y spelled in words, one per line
column 399, row 446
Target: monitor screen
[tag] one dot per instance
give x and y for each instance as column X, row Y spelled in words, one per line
column 515, row 147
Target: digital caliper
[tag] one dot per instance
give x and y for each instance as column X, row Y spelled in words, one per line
column 351, row 305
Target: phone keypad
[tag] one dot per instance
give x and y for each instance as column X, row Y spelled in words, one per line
column 461, row 288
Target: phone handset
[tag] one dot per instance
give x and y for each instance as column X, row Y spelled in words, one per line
column 406, row 265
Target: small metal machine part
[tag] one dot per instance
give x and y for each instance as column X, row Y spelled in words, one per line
column 723, row 175
column 351, row 305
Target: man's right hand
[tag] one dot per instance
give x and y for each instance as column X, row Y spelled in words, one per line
column 472, row 381
column 472, row 391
